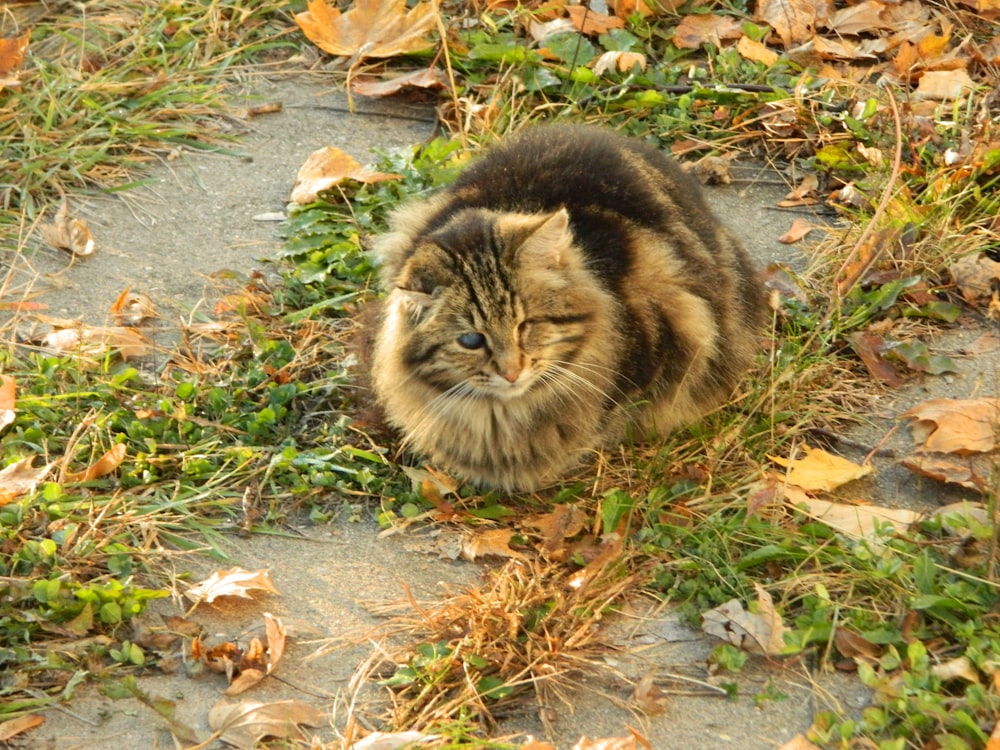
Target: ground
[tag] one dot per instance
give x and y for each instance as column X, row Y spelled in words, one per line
column 197, row 217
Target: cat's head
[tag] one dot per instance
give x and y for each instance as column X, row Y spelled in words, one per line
column 493, row 305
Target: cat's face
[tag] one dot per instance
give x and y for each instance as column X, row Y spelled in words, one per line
column 493, row 306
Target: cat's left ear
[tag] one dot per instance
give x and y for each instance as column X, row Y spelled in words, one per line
column 548, row 246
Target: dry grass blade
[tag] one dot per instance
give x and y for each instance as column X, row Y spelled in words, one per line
column 528, row 630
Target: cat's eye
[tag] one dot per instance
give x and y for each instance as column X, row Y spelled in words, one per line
column 474, row 340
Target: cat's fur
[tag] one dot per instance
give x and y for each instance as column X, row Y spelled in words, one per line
column 592, row 291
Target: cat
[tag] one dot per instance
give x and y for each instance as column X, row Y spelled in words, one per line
column 571, row 288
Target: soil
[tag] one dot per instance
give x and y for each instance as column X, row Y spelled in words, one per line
column 194, row 219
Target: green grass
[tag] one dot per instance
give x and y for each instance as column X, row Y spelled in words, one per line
column 273, row 405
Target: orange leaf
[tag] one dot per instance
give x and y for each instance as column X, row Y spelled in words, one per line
column 588, row 21
column 372, row 28
column 12, row 51
column 756, row 52
column 103, row 466
column 490, row 542
column 13, row 727
column 327, row 167
column 66, row 233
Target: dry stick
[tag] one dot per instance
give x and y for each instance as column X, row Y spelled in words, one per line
column 452, row 86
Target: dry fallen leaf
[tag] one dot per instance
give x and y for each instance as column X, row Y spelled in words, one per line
column 974, row 471
column 233, row 582
column 755, row 51
column 854, row 521
column 650, row 699
column 819, row 470
column 243, row 725
column 588, row 21
column 619, row 60
column 422, row 78
column 13, row 727
column 798, row 742
column 853, row 645
column 132, row 308
column 372, row 28
column 975, row 276
column 490, row 542
column 102, row 467
column 20, row 478
column 258, row 661
column 68, row 234
column 944, row 84
column 96, row 341
column 563, row 522
column 760, row 632
column 959, row 668
column 8, row 398
column 795, row 21
column 799, row 229
column 327, row 167
column 633, row 742
column 695, row 30
column 12, row 50
column 951, row 425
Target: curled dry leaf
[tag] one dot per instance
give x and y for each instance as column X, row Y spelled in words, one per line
column 20, row 478
column 490, row 542
column 944, row 84
column 424, row 78
column 951, row 425
column 555, row 528
column 243, row 725
column 973, row 471
column 648, row 697
column 760, row 632
column 67, row 233
column 976, row 276
column 794, row 21
column 327, row 167
column 12, row 50
column 102, row 467
column 132, row 308
column 959, row 668
column 372, row 28
column 592, row 22
column 233, row 582
column 819, row 470
column 755, row 51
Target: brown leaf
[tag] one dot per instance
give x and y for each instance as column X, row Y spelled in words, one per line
column 950, row 425
column 795, row 21
column 372, row 28
column 944, row 84
column 650, row 699
column 102, row 467
column 760, row 632
column 327, row 167
column 799, row 229
column 423, row 78
column 976, row 276
column 12, row 50
column 632, row 742
column 959, row 668
column 245, row 724
column 871, row 349
column 13, row 727
column 799, row 742
column 68, row 234
column 695, row 30
column 592, row 22
column 609, row 550
column 233, row 582
column 973, row 471
column 865, row 17
column 19, row 478
column 855, row 646
column 820, row 470
column 563, row 522
column 132, row 309
column 8, row 398
column 490, row 542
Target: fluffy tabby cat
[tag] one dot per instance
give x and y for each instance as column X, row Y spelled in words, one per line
column 570, row 286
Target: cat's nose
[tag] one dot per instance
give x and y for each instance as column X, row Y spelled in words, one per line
column 511, row 367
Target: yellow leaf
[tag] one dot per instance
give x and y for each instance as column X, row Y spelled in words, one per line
column 855, row 521
column 372, row 28
column 327, row 167
column 8, row 397
column 754, row 51
column 819, row 470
